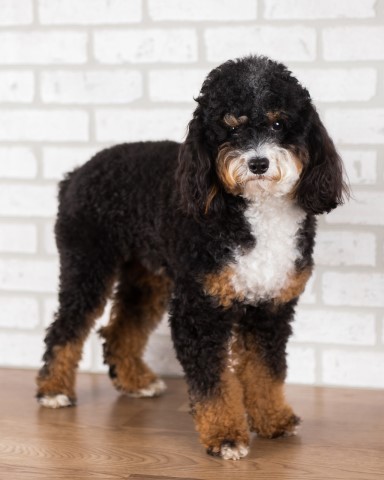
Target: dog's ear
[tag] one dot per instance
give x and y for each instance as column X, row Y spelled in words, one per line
column 196, row 174
column 322, row 187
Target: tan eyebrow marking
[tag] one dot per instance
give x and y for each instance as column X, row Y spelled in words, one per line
column 233, row 121
column 276, row 115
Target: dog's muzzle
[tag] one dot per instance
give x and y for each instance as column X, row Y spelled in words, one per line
column 258, row 165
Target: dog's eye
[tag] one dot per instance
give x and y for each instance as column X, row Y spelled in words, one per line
column 277, row 125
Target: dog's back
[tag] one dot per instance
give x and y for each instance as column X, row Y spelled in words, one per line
column 120, row 188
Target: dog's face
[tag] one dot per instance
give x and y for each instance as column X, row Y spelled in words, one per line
column 255, row 132
column 255, row 160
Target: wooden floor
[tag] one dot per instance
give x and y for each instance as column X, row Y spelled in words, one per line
column 113, row 437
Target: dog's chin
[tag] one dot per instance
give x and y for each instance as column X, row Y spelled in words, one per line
column 260, row 186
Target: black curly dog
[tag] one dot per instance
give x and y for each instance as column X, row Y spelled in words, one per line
column 220, row 231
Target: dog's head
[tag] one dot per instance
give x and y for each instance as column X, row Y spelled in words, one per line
column 255, row 132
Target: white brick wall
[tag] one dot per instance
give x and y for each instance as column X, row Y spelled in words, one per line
column 315, row 10
column 89, row 12
column 172, row 45
column 42, row 47
column 16, row 86
column 43, row 125
column 349, row 43
column 96, row 86
column 78, row 75
column 134, row 124
column 19, row 12
column 294, row 43
column 201, row 10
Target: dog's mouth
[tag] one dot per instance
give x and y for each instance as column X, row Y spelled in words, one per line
column 265, row 177
column 268, row 169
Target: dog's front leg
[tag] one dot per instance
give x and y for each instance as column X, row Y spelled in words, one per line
column 261, row 350
column 202, row 335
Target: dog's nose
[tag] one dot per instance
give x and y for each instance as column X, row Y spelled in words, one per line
column 258, row 165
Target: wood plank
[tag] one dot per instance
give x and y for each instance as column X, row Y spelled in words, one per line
column 108, row 436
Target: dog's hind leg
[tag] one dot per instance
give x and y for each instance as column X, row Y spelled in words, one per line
column 85, row 282
column 140, row 300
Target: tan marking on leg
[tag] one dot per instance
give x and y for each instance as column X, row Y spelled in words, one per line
column 219, row 285
column 58, row 376
column 220, row 420
column 268, row 413
column 294, row 286
column 139, row 303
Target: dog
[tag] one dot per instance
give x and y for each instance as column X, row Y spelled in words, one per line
column 220, row 232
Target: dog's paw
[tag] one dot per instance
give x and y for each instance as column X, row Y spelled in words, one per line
column 55, row 401
column 287, row 427
column 234, row 451
column 154, row 389
column 229, row 450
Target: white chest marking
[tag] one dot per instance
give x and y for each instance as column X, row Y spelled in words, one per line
column 261, row 273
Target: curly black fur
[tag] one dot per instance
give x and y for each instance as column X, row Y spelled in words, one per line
column 164, row 205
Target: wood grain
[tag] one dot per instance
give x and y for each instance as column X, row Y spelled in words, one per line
column 114, row 437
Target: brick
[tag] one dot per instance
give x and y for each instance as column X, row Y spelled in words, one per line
column 26, row 350
column 89, row 12
column 39, row 125
column 339, row 85
column 353, row 289
column 51, row 306
column 161, row 357
column 201, row 10
column 85, row 364
column 18, row 238
column 339, row 248
column 360, row 166
column 301, row 365
column 21, row 349
column 28, row 275
column 91, row 87
column 49, row 239
column 175, row 85
column 349, row 43
column 382, row 331
column 334, row 327
column 18, row 200
column 135, row 125
column 59, row 160
column 163, row 327
column 17, row 162
column 314, row 10
column 173, row 45
column 18, row 12
column 353, row 368
column 355, row 126
column 16, row 86
column 309, row 296
column 365, row 208
column 282, row 43
column 19, row 312
column 42, row 47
